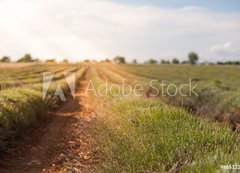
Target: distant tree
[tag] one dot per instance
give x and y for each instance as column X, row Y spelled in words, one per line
column 232, row 62
column 152, row 61
column 220, row 63
column 5, row 59
column 52, row 61
column 36, row 60
column 134, row 61
column 175, row 61
column 229, row 62
column 26, row 58
column 237, row 62
column 163, row 61
column 193, row 57
column 185, row 62
column 86, row 60
column 64, row 61
column 119, row 60
column 107, row 60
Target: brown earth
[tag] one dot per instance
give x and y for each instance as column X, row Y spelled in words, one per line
column 63, row 143
column 14, row 65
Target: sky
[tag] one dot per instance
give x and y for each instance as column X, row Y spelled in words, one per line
column 137, row 29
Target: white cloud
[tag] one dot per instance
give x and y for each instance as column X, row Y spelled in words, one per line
column 222, row 47
column 100, row 29
column 193, row 8
column 225, row 50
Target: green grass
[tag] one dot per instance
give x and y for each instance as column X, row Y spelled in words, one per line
column 217, row 86
column 23, row 106
column 140, row 135
column 19, row 109
column 137, row 134
column 12, row 78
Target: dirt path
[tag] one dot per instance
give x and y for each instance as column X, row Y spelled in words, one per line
column 61, row 144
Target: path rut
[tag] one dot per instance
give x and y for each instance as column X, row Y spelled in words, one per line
column 63, row 143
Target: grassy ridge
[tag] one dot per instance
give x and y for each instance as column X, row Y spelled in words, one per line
column 217, row 86
column 140, row 135
column 12, row 78
column 19, row 109
column 22, row 107
column 137, row 134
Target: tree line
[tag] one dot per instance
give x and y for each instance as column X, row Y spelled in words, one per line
column 192, row 59
column 27, row 58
